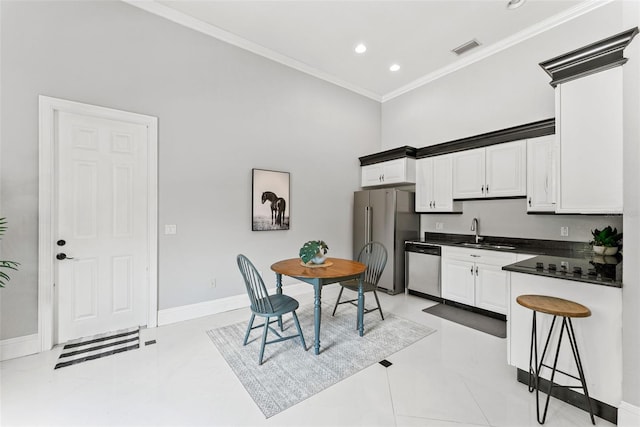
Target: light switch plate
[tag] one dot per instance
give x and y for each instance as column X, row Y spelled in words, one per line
column 170, row 229
column 564, row 231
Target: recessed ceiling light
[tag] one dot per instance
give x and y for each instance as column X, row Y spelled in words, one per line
column 361, row 48
column 394, row 67
column 514, row 4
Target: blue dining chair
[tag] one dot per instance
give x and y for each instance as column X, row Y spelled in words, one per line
column 266, row 306
column 374, row 256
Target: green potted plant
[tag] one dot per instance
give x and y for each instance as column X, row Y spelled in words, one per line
column 313, row 251
column 606, row 241
column 5, row 265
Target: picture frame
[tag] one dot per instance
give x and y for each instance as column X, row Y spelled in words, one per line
column 270, row 200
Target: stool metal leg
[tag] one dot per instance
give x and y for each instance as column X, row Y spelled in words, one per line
column 535, row 365
column 576, row 356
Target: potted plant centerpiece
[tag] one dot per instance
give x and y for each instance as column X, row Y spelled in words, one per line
column 606, row 241
column 313, row 252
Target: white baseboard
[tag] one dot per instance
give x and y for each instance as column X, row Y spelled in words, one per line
column 628, row 415
column 193, row 311
column 20, row 346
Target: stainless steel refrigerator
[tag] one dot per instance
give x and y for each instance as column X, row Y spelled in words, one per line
column 387, row 216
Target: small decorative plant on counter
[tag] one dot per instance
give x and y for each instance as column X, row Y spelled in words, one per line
column 9, row 265
column 606, row 241
column 313, row 251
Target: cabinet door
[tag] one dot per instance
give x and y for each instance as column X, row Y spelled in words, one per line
column 541, row 168
column 393, row 171
column 590, row 128
column 468, row 174
column 371, row 175
column 458, row 278
column 443, row 184
column 506, row 169
column 491, row 288
column 424, row 184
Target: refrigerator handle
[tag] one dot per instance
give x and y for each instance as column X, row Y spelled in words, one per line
column 368, row 229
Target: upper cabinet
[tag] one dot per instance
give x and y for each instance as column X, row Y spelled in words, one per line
column 391, row 167
column 590, row 133
column 589, row 99
column 399, row 171
column 434, row 185
column 542, row 157
column 494, row 171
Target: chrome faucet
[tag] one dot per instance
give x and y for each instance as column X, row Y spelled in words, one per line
column 475, row 226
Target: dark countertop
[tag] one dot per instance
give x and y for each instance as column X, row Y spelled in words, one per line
column 603, row 271
column 597, row 270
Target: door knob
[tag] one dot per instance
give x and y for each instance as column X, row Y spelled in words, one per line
column 61, row 242
column 62, row 256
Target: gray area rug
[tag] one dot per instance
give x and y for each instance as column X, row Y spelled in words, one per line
column 482, row 323
column 289, row 374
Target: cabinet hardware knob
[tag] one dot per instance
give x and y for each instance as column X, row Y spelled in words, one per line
column 529, row 201
column 476, row 270
column 472, row 270
column 482, row 189
column 487, row 188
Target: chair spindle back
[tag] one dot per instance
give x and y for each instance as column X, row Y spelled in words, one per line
column 256, row 288
column 374, row 256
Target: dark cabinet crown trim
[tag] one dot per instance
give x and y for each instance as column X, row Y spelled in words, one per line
column 393, row 154
column 598, row 56
column 529, row 130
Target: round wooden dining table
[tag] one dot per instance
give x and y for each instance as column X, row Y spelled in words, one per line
column 334, row 270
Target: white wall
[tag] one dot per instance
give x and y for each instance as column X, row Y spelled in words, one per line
column 509, row 218
column 222, row 111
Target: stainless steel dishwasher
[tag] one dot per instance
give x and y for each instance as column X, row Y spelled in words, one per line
column 423, row 269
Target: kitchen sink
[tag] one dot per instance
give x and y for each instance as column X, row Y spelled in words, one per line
column 487, row 246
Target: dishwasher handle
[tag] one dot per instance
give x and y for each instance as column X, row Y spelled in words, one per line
column 423, row 249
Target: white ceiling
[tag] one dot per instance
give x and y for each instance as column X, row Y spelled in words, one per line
column 318, row 37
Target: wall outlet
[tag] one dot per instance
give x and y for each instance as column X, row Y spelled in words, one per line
column 213, row 282
column 564, row 231
column 439, row 225
column 170, row 229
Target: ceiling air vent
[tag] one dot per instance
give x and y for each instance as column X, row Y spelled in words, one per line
column 466, row 47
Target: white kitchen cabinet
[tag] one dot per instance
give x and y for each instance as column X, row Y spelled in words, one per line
column 494, row 171
column 398, row 171
column 475, row 277
column 589, row 125
column 458, row 280
column 542, row 157
column 434, row 188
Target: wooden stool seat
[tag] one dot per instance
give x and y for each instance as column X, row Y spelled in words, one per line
column 554, row 306
column 566, row 310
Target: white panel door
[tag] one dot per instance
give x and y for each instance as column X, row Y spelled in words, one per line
column 443, row 183
column 591, row 143
column 102, row 203
column 491, row 288
column 458, row 281
column 424, row 184
column 468, row 174
column 506, row 169
column 541, row 182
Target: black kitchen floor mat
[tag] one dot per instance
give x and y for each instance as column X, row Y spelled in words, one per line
column 482, row 323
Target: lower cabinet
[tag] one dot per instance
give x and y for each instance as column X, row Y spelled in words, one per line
column 475, row 277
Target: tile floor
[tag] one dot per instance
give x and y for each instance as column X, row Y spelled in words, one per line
column 455, row 377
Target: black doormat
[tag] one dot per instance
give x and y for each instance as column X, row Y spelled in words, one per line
column 98, row 346
column 480, row 322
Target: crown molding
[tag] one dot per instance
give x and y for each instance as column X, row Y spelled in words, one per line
column 598, row 56
column 180, row 18
column 506, row 43
column 227, row 37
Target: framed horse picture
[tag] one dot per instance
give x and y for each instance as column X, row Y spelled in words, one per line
column 270, row 200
